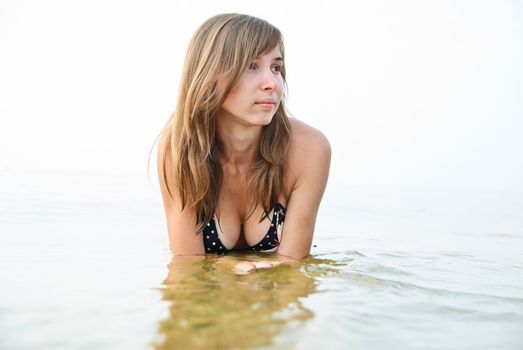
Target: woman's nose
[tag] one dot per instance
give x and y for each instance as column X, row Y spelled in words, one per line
column 268, row 81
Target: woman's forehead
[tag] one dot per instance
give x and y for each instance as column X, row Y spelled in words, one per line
column 273, row 54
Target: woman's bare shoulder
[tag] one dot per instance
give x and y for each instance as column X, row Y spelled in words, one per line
column 309, row 153
column 306, row 142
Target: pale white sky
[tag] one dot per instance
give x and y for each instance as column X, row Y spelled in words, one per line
column 408, row 92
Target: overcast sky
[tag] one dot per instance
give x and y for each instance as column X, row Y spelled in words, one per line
column 408, row 92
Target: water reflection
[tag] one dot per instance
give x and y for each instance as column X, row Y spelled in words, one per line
column 213, row 307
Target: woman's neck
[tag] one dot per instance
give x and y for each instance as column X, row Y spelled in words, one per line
column 238, row 144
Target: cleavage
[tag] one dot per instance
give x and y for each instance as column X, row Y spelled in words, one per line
column 235, row 235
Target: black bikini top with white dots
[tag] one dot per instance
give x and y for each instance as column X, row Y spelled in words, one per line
column 212, row 243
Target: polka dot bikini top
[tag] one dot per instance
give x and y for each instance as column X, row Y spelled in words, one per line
column 212, row 243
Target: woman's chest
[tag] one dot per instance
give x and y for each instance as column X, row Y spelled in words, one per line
column 240, row 223
column 239, row 230
column 216, row 240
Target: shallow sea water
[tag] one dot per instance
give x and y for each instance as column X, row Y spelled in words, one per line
column 85, row 264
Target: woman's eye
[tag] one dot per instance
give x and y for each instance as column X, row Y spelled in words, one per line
column 276, row 68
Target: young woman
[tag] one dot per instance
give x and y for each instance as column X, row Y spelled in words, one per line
column 236, row 173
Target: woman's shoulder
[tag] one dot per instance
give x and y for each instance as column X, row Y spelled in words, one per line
column 309, row 153
column 306, row 141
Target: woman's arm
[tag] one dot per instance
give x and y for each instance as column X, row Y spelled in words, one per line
column 181, row 224
column 309, row 162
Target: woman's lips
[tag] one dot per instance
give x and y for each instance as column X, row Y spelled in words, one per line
column 266, row 103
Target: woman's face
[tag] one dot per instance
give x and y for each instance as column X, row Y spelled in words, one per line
column 257, row 95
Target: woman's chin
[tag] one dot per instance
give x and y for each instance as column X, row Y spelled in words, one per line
column 263, row 120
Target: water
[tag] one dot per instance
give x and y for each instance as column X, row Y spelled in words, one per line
column 84, row 264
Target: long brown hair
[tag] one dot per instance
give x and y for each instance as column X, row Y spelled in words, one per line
column 218, row 54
